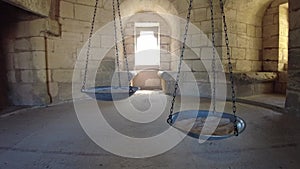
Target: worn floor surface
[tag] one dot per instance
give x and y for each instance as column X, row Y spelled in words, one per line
column 52, row 137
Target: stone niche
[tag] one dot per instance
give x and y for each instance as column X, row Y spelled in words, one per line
column 245, row 84
column 24, row 29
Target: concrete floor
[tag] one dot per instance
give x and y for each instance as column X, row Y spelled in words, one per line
column 53, row 138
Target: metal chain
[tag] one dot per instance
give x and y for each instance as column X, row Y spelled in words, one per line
column 213, row 64
column 123, row 43
column 116, row 42
column 169, row 120
column 89, row 47
column 229, row 68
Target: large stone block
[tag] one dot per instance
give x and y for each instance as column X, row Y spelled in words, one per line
column 270, row 66
column 199, row 4
column 200, row 14
column 106, row 16
column 251, row 30
column 256, row 66
column 238, row 53
column 197, row 66
column 259, row 32
column 37, row 27
column 260, row 88
column 71, row 25
column 66, row 9
column 206, row 53
column 271, row 30
column 29, row 94
column 270, row 54
column 199, row 40
column 23, row 60
column 241, row 28
column 37, row 43
column 231, row 13
column 11, row 77
column 255, row 43
column 27, row 76
column 191, row 53
column 22, row 29
column 242, row 42
column 60, row 61
column 63, row 76
column 39, row 60
column 84, row 13
column 253, row 54
column 268, row 20
column 64, row 91
column 41, row 76
column 271, row 42
column 72, row 37
column 243, row 65
column 22, row 45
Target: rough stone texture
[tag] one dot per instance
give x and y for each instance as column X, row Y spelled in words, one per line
column 35, row 48
column 25, row 52
column 293, row 90
column 36, row 6
column 275, row 33
column 246, row 84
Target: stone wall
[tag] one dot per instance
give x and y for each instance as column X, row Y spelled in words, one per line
column 27, row 61
column 293, row 91
column 50, row 61
column 275, row 40
column 245, row 36
column 24, row 49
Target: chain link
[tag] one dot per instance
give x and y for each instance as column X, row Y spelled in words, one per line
column 89, row 47
column 213, row 64
column 123, row 44
column 116, row 42
column 169, row 120
column 233, row 96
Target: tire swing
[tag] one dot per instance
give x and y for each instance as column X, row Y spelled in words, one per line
column 109, row 93
column 228, row 124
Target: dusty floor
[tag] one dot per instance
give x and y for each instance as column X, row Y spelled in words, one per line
column 52, row 137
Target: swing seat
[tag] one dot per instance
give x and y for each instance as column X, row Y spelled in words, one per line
column 215, row 126
column 110, row 93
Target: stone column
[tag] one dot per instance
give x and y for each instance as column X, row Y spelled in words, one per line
column 293, row 91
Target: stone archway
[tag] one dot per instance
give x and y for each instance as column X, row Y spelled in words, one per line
column 275, row 42
column 150, row 12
